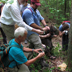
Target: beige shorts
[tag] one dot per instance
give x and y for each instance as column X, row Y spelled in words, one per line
column 22, row 68
column 8, row 30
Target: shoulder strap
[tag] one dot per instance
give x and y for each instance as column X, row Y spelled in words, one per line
column 13, row 45
column 30, row 10
column 8, row 48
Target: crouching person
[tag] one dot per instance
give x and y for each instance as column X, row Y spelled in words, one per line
column 16, row 55
column 47, row 40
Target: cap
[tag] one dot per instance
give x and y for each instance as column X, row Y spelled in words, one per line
column 37, row 2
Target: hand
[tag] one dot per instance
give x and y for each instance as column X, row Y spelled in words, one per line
column 48, row 27
column 44, row 46
column 40, row 32
column 42, row 36
column 37, row 31
column 45, row 29
column 54, row 35
column 45, row 36
column 48, row 35
column 41, row 54
column 37, row 50
column 63, row 32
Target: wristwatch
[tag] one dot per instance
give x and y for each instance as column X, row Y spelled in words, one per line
column 45, row 25
column 32, row 49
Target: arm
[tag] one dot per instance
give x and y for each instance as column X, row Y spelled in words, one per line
column 30, row 50
column 36, row 26
column 29, row 62
column 15, row 14
column 1, row 10
column 19, row 57
column 29, row 19
column 42, row 20
column 44, row 23
column 61, row 33
column 44, row 36
column 54, row 36
column 60, row 30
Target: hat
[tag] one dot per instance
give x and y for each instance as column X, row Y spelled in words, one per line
column 37, row 2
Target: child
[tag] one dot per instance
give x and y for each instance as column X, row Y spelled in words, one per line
column 47, row 40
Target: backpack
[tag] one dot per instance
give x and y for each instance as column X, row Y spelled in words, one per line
column 4, row 50
column 66, row 21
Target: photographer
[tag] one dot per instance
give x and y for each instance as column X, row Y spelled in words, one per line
column 64, row 33
column 19, row 62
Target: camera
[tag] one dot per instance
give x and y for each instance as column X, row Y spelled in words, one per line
column 66, row 32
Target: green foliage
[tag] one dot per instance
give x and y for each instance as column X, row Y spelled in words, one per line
column 36, row 65
column 56, row 51
column 6, row 1
column 10, row 1
column 3, row 1
column 55, row 10
column 59, row 68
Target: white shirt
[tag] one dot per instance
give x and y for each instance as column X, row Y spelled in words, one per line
column 11, row 15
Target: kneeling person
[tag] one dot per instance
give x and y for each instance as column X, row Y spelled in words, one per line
column 19, row 61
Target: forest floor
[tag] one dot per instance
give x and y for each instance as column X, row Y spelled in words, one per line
column 60, row 55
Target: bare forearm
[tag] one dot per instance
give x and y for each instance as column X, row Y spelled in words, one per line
column 61, row 33
column 44, row 36
column 29, row 62
column 36, row 26
column 27, row 49
column 43, row 22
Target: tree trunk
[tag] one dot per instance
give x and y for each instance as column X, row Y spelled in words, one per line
column 66, row 10
column 70, row 44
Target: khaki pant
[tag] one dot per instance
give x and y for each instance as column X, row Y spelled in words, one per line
column 8, row 30
column 35, row 43
column 22, row 68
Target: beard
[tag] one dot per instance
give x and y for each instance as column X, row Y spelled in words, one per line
column 35, row 9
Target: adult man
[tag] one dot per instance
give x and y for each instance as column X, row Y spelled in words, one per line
column 11, row 15
column 63, row 32
column 33, row 17
column 16, row 54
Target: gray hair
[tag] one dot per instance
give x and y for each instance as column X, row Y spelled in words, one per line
column 19, row 31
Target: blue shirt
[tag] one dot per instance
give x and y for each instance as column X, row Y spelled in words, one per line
column 30, row 17
column 24, row 7
column 61, row 26
column 16, row 54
